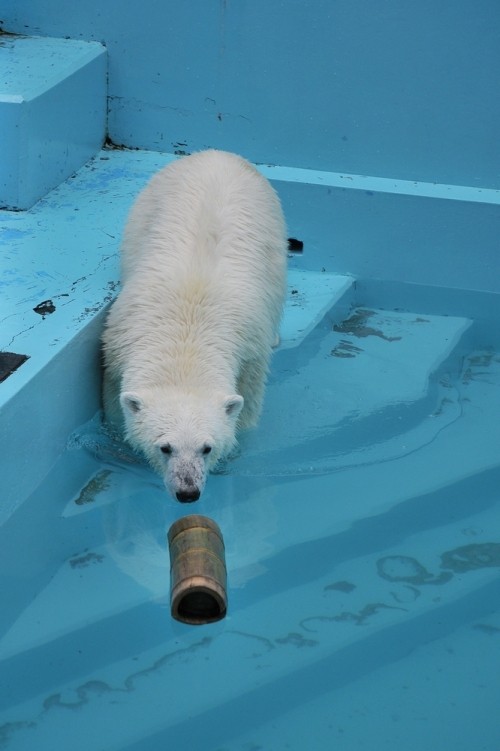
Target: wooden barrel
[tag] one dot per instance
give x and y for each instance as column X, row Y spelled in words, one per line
column 198, row 576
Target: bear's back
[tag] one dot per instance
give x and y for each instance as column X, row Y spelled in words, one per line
column 204, row 270
column 211, row 212
column 203, row 284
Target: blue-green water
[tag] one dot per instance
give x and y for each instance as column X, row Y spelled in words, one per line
column 362, row 530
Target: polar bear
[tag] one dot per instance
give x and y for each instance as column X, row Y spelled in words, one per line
column 188, row 340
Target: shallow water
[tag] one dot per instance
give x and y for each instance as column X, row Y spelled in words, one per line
column 362, row 530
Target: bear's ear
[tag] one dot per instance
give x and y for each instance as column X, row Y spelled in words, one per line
column 131, row 401
column 233, row 405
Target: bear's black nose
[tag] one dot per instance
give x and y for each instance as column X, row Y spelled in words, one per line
column 188, row 496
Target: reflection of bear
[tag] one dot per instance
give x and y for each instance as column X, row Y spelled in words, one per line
column 187, row 342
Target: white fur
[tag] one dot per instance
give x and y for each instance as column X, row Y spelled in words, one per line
column 187, row 342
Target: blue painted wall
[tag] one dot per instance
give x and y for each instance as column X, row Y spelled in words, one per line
column 395, row 88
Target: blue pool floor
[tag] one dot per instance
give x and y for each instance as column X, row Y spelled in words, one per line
column 363, row 548
column 362, row 530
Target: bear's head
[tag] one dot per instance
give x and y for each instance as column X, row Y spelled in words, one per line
column 183, row 435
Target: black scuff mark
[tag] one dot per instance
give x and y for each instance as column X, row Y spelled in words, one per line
column 358, row 619
column 109, row 296
column 86, row 559
column 341, row 586
column 180, row 148
column 345, row 349
column 9, row 363
column 7, row 38
column 96, row 485
column 472, row 557
column 45, row 308
column 111, row 145
column 297, row 640
column 356, row 325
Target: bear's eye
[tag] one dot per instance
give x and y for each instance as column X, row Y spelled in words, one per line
column 166, row 449
column 206, row 449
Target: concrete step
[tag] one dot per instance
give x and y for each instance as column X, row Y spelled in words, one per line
column 311, row 294
column 352, row 389
column 52, row 113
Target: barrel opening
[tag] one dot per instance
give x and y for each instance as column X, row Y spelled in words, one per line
column 198, row 607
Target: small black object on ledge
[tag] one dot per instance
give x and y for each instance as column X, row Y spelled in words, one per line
column 295, row 246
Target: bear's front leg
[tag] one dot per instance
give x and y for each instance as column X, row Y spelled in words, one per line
column 251, row 385
column 113, row 413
